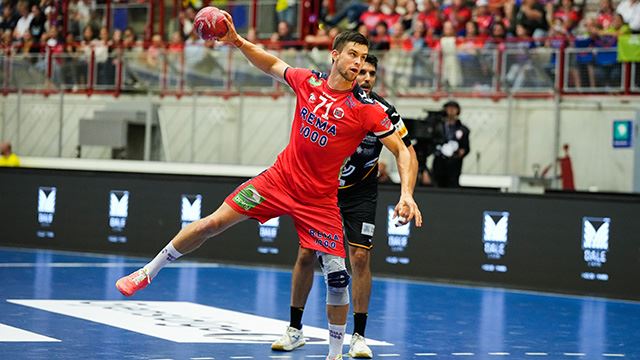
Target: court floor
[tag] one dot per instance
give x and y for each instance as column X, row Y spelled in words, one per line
column 61, row 305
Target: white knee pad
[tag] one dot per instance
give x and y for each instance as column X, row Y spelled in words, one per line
column 336, row 278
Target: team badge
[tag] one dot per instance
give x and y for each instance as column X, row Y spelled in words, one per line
column 338, row 113
column 312, row 98
column 314, row 82
column 459, row 134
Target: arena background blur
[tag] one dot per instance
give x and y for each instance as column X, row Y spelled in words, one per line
column 129, row 127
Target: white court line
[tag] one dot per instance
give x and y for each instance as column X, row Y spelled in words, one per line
column 316, row 356
column 499, row 353
column 426, row 354
column 613, row 355
column 99, row 265
column 389, row 355
column 202, row 358
column 463, row 354
column 14, row 334
column 241, row 357
column 574, row 354
column 536, row 354
column 280, row 356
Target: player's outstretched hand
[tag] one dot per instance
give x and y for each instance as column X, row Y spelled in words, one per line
column 407, row 210
column 231, row 36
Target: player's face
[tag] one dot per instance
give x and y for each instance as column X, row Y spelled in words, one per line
column 367, row 77
column 349, row 61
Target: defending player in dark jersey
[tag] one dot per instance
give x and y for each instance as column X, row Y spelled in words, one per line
column 357, row 198
column 329, row 122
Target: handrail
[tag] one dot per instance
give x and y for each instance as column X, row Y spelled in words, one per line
column 173, row 71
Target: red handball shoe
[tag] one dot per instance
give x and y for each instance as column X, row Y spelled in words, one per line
column 209, row 23
column 133, row 282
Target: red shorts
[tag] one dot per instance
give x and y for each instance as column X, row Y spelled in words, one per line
column 318, row 223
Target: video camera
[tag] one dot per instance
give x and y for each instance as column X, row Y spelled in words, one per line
column 427, row 133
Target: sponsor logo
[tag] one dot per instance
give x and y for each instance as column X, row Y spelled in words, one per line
column 181, row 322
column 326, row 240
column 401, row 129
column 46, row 205
column 190, row 209
column 338, row 113
column 315, row 82
column 397, row 237
column 495, row 226
column 248, row 198
column 118, row 209
column 595, row 240
column 367, row 229
column 386, row 122
column 269, row 230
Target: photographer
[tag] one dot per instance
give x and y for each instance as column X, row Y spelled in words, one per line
column 452, row 147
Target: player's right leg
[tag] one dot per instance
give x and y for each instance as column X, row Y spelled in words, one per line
column 301, row 282
column 187, row 240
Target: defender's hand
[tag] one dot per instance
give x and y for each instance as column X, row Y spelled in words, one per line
column 408, row 210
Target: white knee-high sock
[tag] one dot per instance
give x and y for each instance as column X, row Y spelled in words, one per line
column 167, row 255
column 336, row 339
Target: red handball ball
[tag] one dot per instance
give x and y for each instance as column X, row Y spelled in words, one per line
column 209, row 23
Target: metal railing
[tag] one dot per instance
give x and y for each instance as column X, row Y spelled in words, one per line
column 479, row 72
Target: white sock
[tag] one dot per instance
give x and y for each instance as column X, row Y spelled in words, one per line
column 336, row 339
column 168, row 255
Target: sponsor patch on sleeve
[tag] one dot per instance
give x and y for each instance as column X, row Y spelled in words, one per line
column 401, row 129
column 368, row 229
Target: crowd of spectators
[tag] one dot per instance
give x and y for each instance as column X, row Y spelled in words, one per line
column 461, row 30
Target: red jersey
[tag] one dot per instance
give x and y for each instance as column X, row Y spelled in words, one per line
column 328, row 126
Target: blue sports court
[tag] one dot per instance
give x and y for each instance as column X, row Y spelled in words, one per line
column 62, row 305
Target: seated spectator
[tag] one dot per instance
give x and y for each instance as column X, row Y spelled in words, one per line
column 568, row 15
column 22, row 26
column 410, row 18
column 581, row 63
column 352, row 12
column 451, row 72
column 7, row 156
column 380, row 39
column 153, row 56
column 606, row 12
column 483, row 18
column 322, row 38
column 531, row 17
column 37, row 25
column 458, row 14
column 430, row 16
column 373, row 16
column 399, row 39
column 282, row 39
column 616, row 28
column 9, row 18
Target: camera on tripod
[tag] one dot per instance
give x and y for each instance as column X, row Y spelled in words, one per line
column 426, row 132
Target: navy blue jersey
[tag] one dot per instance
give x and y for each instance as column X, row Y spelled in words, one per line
column 362, row 166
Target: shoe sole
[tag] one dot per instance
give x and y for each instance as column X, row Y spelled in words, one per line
column 360, row 356
column 122, row 291
column 282, row 348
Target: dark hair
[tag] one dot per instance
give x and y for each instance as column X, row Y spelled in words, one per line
column 373, row 60
column 346, row 37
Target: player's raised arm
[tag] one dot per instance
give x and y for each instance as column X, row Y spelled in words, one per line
column 407, row 207
column 263, row 60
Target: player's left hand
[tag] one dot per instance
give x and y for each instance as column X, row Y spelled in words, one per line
column 407, row 210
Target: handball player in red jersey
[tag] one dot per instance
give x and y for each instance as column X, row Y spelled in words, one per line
column 332, row 117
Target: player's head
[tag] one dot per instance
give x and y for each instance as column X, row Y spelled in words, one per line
column 5, row 148
column 367, row 75
column 452, row 108
column 350, row 49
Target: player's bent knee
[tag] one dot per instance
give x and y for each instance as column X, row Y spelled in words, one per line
column 337, row 279
column 338, row 288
